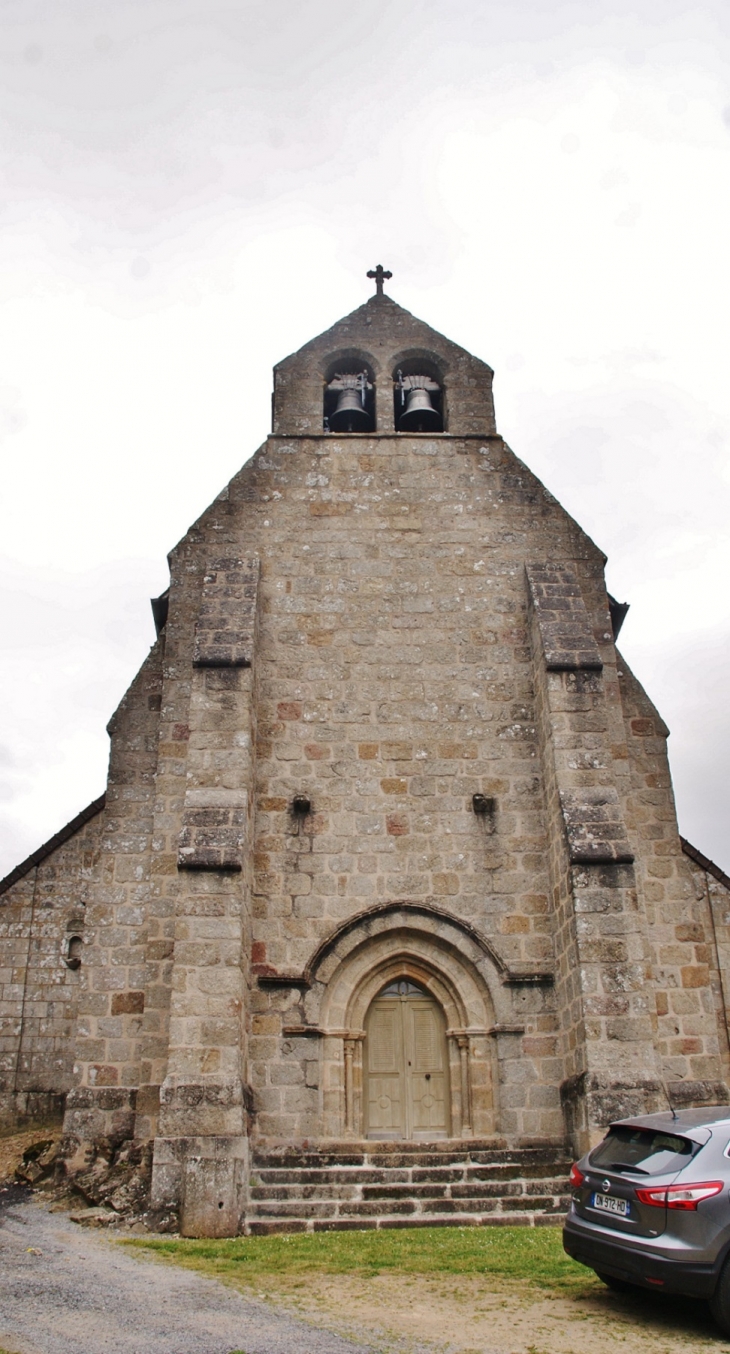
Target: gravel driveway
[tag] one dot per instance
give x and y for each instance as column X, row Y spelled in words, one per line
column 67, row 1290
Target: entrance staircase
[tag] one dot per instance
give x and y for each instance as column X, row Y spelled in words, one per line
column 360, row 1185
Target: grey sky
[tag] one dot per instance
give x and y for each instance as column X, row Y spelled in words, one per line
column 191, row 190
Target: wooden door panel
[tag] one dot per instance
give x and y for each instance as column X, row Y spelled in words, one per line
column 428, row 1101
column 406, row 1068
column 385, row 1107
column 384, row 1048
column 426, row 1060
column 426, row 1036
column 385, row 1043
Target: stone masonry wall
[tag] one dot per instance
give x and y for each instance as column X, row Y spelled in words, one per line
column 690, row 1030
column 395, row 684
column 39, row 914
column 602, row 945
column 712, row 894
column 113, row 980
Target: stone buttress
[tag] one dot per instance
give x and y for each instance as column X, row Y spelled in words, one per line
column 200, row 1158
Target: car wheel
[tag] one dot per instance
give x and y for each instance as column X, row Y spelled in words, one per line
column 617, row 1285
column 720, row 1300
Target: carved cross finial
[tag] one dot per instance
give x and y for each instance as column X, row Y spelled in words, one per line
column 380, row 275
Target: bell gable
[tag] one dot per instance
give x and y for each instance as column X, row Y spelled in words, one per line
column 390, row 347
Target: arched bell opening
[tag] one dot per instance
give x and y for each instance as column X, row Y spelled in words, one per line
column 349, row 395
column 418, row 395
column 406, row 1081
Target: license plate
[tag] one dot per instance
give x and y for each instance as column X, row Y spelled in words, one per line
column 608, row 1204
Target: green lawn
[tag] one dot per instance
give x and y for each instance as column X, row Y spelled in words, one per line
column 530, row 1254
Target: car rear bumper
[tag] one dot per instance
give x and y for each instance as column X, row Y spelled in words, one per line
column 635, row 1265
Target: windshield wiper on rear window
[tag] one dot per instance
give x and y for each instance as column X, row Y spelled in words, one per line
column 624, row 1166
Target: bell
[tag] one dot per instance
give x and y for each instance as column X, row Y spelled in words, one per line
column 419, row 415
column 349, row 416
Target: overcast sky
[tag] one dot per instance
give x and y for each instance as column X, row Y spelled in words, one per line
column 190, row 190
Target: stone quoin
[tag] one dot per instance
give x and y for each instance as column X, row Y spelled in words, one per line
column 384, row 911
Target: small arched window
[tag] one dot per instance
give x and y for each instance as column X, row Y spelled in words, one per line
column 349, row 396
column 418, row 396
column 73, row 952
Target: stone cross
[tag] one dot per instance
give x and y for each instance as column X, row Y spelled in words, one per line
column 380, row 275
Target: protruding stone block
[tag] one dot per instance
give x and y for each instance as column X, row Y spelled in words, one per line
column 214, row 824
column 225, row 628
column 562, row 618
column 595, row 828
column 213, row 1187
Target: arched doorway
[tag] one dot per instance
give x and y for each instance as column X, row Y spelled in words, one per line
column 406, row 1066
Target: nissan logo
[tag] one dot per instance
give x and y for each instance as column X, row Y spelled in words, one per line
column 605, row 1186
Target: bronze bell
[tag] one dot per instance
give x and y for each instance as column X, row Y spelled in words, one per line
column 419, row 415
column 350, row 414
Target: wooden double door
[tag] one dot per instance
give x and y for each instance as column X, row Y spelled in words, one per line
column 406, row 1065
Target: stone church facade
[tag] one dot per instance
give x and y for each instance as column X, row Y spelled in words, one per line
column 384, row 910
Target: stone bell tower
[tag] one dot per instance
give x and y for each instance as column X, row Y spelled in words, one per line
column 388, row 865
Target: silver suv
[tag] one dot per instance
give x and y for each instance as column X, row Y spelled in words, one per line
column 651, row 1206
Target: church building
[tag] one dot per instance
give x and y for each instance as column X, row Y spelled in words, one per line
column 384, row 912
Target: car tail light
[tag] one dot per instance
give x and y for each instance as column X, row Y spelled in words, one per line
column 576, row 1177
column 679, row 1196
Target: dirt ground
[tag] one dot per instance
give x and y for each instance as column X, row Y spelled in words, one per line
column 469, row 1315
column 478, row 1315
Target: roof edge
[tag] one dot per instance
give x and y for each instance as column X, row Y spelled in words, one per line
column 365, row 313
column 53, row 843
column 705, row 863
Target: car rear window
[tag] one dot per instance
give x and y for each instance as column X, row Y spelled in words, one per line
column 642, row 1150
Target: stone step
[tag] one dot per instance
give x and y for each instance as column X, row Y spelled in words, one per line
column 457, row 1172
column 532, row 1213
column 396, row 1156
column 358, row 1208
column 473, row 1189
column 434, row 1184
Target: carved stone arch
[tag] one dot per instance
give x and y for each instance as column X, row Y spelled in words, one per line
column 426, row 957
column 350, row 362
column 408, row 963
column 329, row 363
column 439, row 955
column 421, row 915
column 410, row 362
column 416, row 357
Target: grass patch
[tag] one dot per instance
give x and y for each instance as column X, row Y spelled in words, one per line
column 527, row 1254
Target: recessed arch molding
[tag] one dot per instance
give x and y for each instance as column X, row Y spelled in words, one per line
column 510, row 975
column 454, row 963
